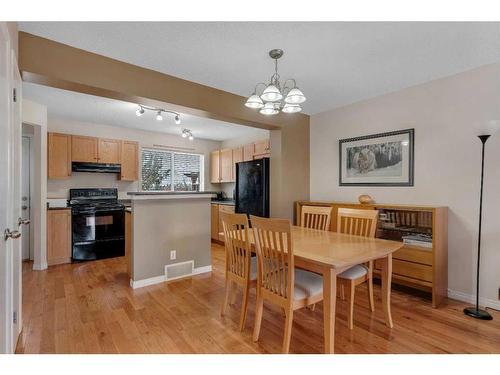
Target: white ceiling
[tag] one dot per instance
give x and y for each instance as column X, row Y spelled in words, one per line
column 98, row 110
column 335, row 63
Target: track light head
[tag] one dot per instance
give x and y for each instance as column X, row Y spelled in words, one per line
column 177, row 119
column 159, row 117
column 140, row 111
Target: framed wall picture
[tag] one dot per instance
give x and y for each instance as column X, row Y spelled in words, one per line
column 384, row 159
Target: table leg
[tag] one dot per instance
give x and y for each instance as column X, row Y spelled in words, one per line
column 386, row 268
column 329, row 301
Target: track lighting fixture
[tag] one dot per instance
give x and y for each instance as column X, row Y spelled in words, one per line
column 159, row 113
column 186, row 133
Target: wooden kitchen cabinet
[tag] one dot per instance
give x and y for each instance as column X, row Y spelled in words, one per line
column 237, row 157
column 248, row 151
column 128, row 242
column 129, row 161
column 215, row 167
column 261, row 149
column 84, row 149
column 58, row 156
column 226, row 165
column 58, row 236
column 109, row 151
column 214, row 222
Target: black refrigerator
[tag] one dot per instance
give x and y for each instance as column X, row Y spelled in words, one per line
column 252, row 187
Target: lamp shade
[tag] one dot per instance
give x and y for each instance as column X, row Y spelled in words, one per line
column 254, row 102
column 271, row 94
column 269, row 109
column 295, row 96
column 487, row 127
column 291, row 108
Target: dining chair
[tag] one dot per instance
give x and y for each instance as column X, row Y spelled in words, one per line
column 363, row 223
column 277, row 279
column 241, row 268
column 315, row 217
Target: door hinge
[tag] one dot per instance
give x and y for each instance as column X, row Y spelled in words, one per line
column 14, row 317
column 14, row 95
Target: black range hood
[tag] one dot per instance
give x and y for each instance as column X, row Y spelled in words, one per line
column 95, row 167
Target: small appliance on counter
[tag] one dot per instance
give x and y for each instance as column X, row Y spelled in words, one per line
column 252, row 187
column 98, row 224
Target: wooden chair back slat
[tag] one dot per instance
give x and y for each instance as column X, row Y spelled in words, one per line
column 238, row 252
column 316, row 217
column 274, row 256
column 357, row 222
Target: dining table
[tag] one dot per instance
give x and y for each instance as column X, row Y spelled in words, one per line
column 330, row 253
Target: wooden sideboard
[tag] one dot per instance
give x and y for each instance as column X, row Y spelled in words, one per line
column 413, row 266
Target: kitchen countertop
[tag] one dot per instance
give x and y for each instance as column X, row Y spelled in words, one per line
column 228, row 202
column 147, row 195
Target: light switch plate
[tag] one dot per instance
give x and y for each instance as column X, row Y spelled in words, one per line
column 173, row 255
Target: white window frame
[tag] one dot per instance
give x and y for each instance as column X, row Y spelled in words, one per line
column 202, row 166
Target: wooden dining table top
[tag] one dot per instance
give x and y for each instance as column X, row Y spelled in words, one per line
column 337, row 250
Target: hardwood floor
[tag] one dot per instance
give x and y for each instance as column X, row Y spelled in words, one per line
column 90, row 308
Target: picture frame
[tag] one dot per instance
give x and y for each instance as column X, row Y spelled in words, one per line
column 383, row 159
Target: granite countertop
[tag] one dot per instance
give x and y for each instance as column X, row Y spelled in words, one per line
column 58, row 208
column 228, row 202
column 169, row 192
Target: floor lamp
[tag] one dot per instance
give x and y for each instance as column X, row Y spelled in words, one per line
column 475, row 311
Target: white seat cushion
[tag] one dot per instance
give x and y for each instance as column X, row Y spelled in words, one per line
column 354, row 272
column 253, row 268
column 307, row 284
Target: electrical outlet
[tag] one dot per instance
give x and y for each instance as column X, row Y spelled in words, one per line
column 173, row 255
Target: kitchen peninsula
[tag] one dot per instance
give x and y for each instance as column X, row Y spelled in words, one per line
column 169, row 236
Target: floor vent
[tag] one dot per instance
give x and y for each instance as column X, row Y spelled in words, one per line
column 178, row 270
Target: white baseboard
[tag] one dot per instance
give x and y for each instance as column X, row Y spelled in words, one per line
column 161, row 279
column 40, row 267
column 469, row 298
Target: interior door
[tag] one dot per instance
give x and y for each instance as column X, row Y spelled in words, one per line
column 10, row 151
column 25, row 195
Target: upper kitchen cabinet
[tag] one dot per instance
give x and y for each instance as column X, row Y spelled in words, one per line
column 226, row 165
column 215, row 167
column 109, row 151
column 59, row 156
column 237, row 157
column 261, row 149
column 248, row 151
column 84, row 149
column 129, row 161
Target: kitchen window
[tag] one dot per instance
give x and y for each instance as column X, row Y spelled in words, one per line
column 171, row 171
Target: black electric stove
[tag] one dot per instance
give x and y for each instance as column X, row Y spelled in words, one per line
column 98, row 224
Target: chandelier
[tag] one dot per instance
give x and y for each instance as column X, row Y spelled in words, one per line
column 275, row 96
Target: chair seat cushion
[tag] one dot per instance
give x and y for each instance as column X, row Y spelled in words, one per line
column 253, row 268
column 354, row 272
column 307, row 284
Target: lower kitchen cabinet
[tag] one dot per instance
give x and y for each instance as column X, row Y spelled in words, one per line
column 216, row 220
column 128, row 242
column 58, row 236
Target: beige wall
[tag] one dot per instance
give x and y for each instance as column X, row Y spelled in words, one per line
column 162, row 225
column 60, row 188
column 447, row 163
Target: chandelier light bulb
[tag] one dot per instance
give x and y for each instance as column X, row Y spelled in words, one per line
column 291, row 108
column 159, row 117
column 295, row 96
column 254, row 101
column 271, row 94
column 184, row 134
column 191, row 137
column 177, row 119
column 269, row 109
column 139, row 112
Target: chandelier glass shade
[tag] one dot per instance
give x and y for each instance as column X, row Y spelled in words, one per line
column 276, row 96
